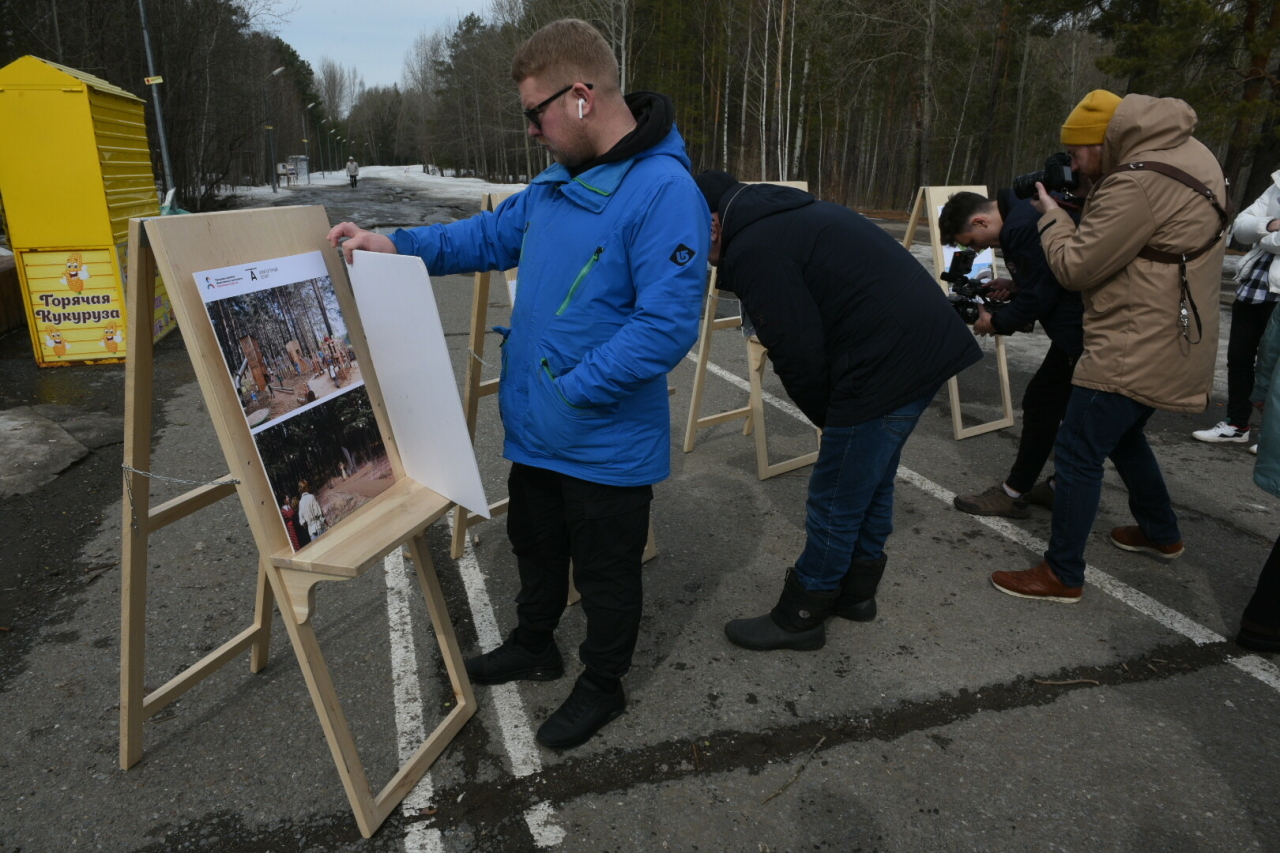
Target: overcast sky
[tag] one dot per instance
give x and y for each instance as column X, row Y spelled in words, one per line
column 373, row 35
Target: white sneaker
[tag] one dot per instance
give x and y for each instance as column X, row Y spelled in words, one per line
column 1253, row 448
column 1222, row 432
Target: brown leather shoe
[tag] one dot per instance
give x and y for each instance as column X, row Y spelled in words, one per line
column 1130, row 538
column 1039, row 582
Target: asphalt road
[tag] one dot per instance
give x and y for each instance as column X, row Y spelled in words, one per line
column 960, row 720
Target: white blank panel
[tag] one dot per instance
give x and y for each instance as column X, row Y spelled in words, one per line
column 410, row 358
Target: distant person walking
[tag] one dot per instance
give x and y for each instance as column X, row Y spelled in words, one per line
column 353, row 171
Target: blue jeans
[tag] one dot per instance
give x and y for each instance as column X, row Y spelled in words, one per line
column 850, row 505
column 1100, row 424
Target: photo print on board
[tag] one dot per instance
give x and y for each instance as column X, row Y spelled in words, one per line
column 290, row 361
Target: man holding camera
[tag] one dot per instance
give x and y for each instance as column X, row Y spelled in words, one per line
column 1009, row 222
column 862, row 338
column 1147, row 257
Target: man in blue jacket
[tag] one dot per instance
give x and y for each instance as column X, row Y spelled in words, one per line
column 611, row 242
column 976, row 222
column 862, row 338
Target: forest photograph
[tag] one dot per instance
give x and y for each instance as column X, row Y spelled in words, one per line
column 324, row 463
column 285, row 347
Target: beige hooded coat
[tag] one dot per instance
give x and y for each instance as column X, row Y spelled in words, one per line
column 1133, row 342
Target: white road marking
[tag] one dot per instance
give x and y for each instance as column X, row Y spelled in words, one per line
column 545, row 832
column 410, row 728
column 1260, row 668
column 517, row 733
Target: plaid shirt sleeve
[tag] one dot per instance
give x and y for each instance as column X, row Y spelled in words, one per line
column 1253, row 287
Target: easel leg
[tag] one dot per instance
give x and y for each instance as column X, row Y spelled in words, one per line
column 263, row 603
column 135, row 525
column 709, row 303
column 325, row 698
column 445, row 636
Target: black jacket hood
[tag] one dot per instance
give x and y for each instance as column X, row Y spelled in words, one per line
column 748, row 203
column 745, row 204
column 655, row 115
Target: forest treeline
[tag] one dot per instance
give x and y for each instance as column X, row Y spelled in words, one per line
column 864, row 99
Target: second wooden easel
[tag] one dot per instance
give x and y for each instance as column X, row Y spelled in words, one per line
column 929, row 201
column 753, row 412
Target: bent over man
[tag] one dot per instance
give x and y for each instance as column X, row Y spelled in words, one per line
column 611, row 242
column 1147, row 257
column 862, row 338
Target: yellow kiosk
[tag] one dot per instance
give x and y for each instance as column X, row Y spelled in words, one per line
column 75, row 166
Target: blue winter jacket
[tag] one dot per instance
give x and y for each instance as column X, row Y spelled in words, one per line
column 612, row 276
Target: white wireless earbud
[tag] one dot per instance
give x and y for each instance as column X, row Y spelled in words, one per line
column 580, row 103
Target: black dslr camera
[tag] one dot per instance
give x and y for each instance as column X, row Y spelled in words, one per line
column 1056, row 177
column 966, row 293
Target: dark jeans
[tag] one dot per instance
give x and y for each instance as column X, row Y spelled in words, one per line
column 1043, row 406
column 1264, row 608
column 353, row 178
column 553, row 518
column 850, row 504
column 1100, row 424
column 1248, row 321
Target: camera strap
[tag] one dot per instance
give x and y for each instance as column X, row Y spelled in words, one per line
column 1187, row 308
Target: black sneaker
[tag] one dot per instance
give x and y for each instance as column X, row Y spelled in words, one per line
column 584, row 713
column 513, row 662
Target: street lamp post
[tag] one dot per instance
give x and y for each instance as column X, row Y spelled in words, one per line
column 271, row 139
column 324, row 158
column 306, row 146
column 153, row 81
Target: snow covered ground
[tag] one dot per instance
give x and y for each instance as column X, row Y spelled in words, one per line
column 462, row 190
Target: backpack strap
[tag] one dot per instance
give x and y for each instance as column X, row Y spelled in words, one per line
column 1188, row 305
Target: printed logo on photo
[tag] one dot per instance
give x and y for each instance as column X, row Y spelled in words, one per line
column 682, row 255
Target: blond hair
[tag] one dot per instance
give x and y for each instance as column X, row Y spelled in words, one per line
column 567, row 51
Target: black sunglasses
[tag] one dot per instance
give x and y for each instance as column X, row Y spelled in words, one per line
column 534, row 114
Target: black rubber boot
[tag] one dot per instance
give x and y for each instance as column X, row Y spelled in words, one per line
column 858, row 590
column 796, row 621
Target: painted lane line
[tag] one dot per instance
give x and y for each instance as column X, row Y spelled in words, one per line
column 1260, row 668
column 517, row 733
column 1139, row 601
column 545, row 832
column 407, row 690
column 513, row 720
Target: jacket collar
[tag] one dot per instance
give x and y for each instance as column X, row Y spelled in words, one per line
column 593, row 188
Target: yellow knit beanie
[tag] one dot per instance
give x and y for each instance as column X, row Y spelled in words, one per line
column 1087, row 124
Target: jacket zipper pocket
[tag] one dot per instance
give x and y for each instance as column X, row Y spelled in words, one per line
column 546, row 368
column 582, row 273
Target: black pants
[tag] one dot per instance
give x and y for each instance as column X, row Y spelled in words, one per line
column 1264, row 608
column 553, row 518
column 1248, row 322
column 1043, row 405
column 353, row 180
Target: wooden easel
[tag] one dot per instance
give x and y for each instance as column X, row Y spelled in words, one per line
column 753, row 412
column 180, row 246
column 474, row 388
column 929, row 200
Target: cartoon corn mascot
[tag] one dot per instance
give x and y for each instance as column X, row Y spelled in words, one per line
column 53, row 339
column 77, row 273
column 111, row 338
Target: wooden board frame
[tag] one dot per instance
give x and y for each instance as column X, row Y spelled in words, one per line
column 928, row 201
column 753, row 412
column 474, row 388
column 179, row 246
